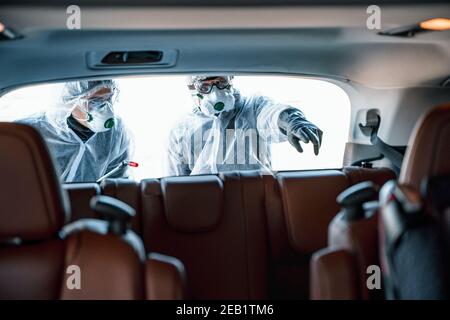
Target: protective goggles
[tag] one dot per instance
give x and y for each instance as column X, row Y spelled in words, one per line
column 206, row 86
column 98, row 102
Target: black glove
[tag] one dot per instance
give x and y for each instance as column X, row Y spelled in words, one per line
column 294, row 125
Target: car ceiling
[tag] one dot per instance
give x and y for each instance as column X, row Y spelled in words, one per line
column 346, row 54
column 314, row 41
column 330, row 42
column 216, row 2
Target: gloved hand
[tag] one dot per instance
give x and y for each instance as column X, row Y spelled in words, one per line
column 294, row 125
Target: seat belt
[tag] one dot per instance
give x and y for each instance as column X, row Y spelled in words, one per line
column 371, row 129
column 395, row 156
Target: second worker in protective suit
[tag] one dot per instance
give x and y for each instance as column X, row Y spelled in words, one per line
column 226, row 131
column 85, row 137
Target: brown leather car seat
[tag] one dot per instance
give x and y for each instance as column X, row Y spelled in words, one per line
column 427, row 155
column 38, row 253
column 412, row 229
column 125, row 190
column 216, row 226
column 300, row 206
column 352, row 246
column 429, row 148
column 80, row 194
column 339, row 271
column 378, row 176
column 128, row 191
column 286, row 218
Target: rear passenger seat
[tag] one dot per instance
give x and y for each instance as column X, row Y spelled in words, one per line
column 79, row 195
column 299, row 207
column 124, row 189
column 128, row 191
column 240, row 235
column 208, row 223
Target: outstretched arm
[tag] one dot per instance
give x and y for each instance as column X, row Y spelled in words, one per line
column 277, row 122
column 294, row 125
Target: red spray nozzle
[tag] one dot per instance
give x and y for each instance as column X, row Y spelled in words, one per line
column 133, row 164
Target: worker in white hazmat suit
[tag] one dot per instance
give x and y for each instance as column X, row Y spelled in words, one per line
column 226, row 131
column 85, row 137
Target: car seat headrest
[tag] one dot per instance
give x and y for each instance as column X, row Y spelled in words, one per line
column 34, row 206
column 429, row 149
column 193, row 204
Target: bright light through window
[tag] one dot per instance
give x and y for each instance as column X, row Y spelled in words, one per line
column 150, row 106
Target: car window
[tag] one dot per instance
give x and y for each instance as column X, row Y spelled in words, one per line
column 160, row 117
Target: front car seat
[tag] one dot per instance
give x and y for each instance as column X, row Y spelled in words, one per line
column 340, row 271
column 42, row 258
column 415, row 215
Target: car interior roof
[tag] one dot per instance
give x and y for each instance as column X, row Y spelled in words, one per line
column 331, row 43
column 217, row 2
column 357, row 55
column 392, row 74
